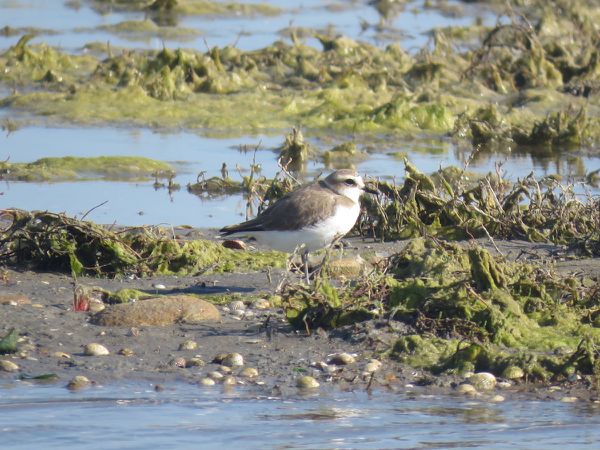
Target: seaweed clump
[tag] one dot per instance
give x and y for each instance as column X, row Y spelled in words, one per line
column 447, row 205
column 48, row 241
column 464, row 309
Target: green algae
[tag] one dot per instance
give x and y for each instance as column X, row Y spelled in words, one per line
column 144, row 29
column 456, row 205
column 47, row 241
column 72, row 168
column 464, row 310
column 189, row 7
column 347, row 85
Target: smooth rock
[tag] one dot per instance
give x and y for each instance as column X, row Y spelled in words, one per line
column 61, row 355
column 8, row 366
column 215, row 375
column 342, row 359
column 373, row 366
column 159, row 311
column 307, row 382
column 229, row 380
column 235, row 244
column 78, row 382
column 261, row 303
column 249, row 372
column 513, row 373
column 207, row 381
column 233, row 359
column 568, row 399
column 483, row 381
column 95, row 349
column 497, row 399
column 195, row 362
column 467, row 389
column 188, row 345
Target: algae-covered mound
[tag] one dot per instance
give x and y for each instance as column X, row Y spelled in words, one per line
column 450, row 205
column 48, row 241
column 71, row 168
column 538, row 68
column 464, row 309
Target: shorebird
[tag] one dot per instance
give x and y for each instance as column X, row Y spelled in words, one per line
column 311, row 217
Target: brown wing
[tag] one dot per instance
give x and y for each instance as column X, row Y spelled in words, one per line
column 284, row 214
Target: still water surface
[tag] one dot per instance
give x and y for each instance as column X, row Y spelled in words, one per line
column 184, row 416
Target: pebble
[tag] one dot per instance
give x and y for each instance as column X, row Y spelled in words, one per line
column 467, row 389
column 188, row 345
column 8, row 366
column 307, row 382
column 342, row 359
column 373, row 365
column 224, row 369
column 95, row 349
column 261, row 303
column 513, row 373
column 235, row 244
column 229, row 380
column 78, row 382
column 323, row 367
column 237, row 305
column 178, row 362
column 503, row 384
column 497, row 398
column 233, row 359
column 215, row 375
column 249, row 372
column 207, row 381
column 195, row 362
column 61, row 355
column 483, row 381
column 568, row 399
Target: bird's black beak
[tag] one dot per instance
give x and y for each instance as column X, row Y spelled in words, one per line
column 370, row 190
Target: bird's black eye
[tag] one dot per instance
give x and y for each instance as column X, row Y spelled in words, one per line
column 350, row 182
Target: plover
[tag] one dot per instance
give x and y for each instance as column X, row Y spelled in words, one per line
column 308, row 218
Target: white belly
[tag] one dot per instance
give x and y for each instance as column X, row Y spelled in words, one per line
column 311, row 238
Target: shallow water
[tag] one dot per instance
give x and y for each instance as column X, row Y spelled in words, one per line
column 139, row 203
column 133, row 416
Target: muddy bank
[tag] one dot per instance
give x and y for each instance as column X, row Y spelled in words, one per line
column 52, row 336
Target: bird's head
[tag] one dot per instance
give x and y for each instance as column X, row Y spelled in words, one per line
column 348, row 183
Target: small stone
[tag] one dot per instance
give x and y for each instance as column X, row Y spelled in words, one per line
column 14, row 299
column 497, row 399
column 195, row 362
column 233, row 359
column 207, row 381
column 261, row 303
column 8, row 366
column 78, row 382
column 249, row 372
column 178, row 362
column 237, row 305
column 229, row 380
column 307, row 382
column 483, row 381
column 373, row 366
column 126, row 352
column 224, row 369
column 95, row 306
column 467, row 389
column 159, row 287
column 235, row 244
column 95, row 349
column 568, row 399
column 61, row 355
column 503, row 384
column 342, row 359
column 188, row 345
column 323, row 367
column 513, row 373
column 215, row 375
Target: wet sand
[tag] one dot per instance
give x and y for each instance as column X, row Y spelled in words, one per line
column 53, row 335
